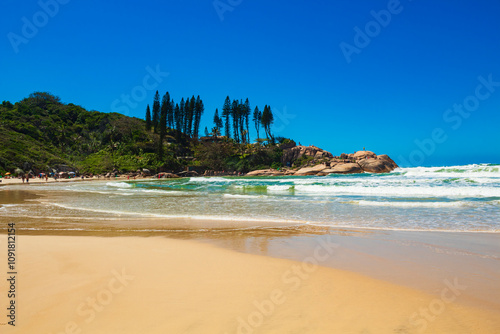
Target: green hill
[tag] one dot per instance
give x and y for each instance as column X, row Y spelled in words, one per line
column 40, row 133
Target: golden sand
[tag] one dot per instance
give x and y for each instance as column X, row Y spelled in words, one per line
column 69, row 284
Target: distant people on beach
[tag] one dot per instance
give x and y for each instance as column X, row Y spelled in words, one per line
column 22, row 176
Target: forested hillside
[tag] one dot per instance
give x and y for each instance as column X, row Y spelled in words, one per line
column 40, row 133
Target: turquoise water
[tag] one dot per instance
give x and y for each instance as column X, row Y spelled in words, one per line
column 458, row 198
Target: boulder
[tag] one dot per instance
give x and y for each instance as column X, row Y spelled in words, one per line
column 310, row 170
column 348, row 168
column 257, row 172
column 381, row 164
column 363, row 155
column 388, row 160
column 265, row 172
column 166, row 176
column 297, row 152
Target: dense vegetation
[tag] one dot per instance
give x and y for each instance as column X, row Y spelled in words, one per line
column 40, row 133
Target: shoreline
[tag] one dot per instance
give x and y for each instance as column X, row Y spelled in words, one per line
column 17, row 181
column 313, row 224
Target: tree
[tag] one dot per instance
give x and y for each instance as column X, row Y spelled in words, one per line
column 167, row 109
column 170, row 115
column 226, row 114
column 218, row 122
column 42, row 99
column 257, row 117
column 241, row 121
column 235, row 113
column 181, row 115
column 199, row 109
column 177, row 117
column 165, row 105
column 267, row 120
column 156, row 112
column 148, row 119
column 206, row 132
column 189, row 113
column 246, row 113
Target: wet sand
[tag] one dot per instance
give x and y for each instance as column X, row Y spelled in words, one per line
column 37, row 180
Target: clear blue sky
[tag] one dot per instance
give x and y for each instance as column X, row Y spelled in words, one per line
column 393, row 89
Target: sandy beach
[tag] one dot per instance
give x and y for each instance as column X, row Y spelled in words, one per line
column 94, row 272
column 17, row 181
column 157, row 285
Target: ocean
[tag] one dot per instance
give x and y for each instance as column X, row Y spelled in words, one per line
column 457, row 198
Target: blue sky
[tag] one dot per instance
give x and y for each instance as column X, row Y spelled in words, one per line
column 342, row 75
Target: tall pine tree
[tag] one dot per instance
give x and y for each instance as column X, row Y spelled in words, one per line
column 182, row 109
column 163, row 124
column 170, row 115
column 156, row 112
column 257, row 116
column 226, row 114
column 148, row 119
column 218, row 122
column 199, row 108
column 177, row 117
column 246, row 113
column 165, row 108
column 235, row 113
column 267, row 120
column 190, row 116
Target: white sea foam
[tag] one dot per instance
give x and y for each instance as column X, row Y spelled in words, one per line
column 413, row 204
column 119, row 184
column 243, row 196
column 209, row 179
column 407, row 191
column 279, row 188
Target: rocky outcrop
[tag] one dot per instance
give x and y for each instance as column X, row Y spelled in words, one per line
column 166, row 176
column 362, row 155
column 310, row 170
column 358, row 162
column 379, row 164
column 348, row 168
column 265, row 172
column 297, row 152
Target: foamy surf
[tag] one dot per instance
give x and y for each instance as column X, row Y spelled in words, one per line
column 456, row 198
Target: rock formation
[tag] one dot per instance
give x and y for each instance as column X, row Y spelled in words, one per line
column 324, row 163
column 265, row 172
column 379, row 164
column 297, row 152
